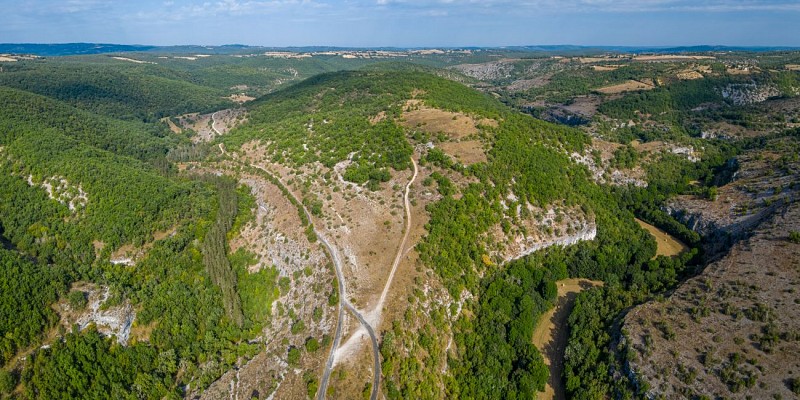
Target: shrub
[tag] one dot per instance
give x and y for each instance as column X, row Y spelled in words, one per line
column 298, row 327
column 794, row 384
column 312, row 345
column 293, row 357
column 77, row 299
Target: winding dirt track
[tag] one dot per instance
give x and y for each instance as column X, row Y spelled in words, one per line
column 374, row 314
column 344, row 303
column 400, row 252
column 214, row 123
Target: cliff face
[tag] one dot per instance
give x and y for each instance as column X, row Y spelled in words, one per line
column 730, row 332
column 719, row 230
column 764, row 182
column 525, row 246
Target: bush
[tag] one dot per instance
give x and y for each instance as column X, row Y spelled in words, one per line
column 293, row 357
column 312, row 345
column 77, row 300
column 794, row 384
column 311, row 385
column 298, row 327
column 794, row 236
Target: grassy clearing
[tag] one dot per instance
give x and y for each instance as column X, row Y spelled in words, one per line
column 667, row 245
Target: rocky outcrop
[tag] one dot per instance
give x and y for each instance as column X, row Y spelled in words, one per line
column 749, row 93
column 687, row 151
column 487, row 71
column 524, row 246
column 603, row 174
column 750, row 190
column 115, row 320
column 719, row 231
column 59, row 189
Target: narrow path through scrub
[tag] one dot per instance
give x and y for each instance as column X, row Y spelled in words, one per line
column 551, row 334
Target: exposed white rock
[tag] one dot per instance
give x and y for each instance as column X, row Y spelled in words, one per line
column 528, row 245
column 748, row 93
column 123, row 261
column 59, row 189
column 688, row 151
column 619, row 178
column 116, row 321
column 486, row 71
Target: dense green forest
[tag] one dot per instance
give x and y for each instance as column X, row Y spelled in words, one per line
column 129, row 92
column 27, row 112
column 83, row 172
column 28, row 289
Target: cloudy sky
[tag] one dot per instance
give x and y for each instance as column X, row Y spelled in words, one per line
column 408, row 23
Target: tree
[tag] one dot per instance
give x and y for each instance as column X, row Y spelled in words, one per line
column 312, row 345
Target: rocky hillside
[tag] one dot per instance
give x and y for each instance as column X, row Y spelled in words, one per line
column 730, row 332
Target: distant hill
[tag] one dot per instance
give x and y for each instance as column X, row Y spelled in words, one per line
column 572, row 49
column 67, row 49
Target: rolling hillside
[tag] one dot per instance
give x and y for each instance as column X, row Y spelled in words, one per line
column 348, row 227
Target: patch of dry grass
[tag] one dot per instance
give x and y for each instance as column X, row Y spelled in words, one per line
column 467, row 152
column 629, row 86
column 667, row 245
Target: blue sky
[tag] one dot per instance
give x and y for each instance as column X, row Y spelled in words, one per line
column 405, row 23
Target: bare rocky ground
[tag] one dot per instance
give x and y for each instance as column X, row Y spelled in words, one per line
column 207, row 126
column 115, row 321
column 276, row 238
column 352, row 378
column 731, row 332
column 487, row 71
column 365, row 227
column 765, row 180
